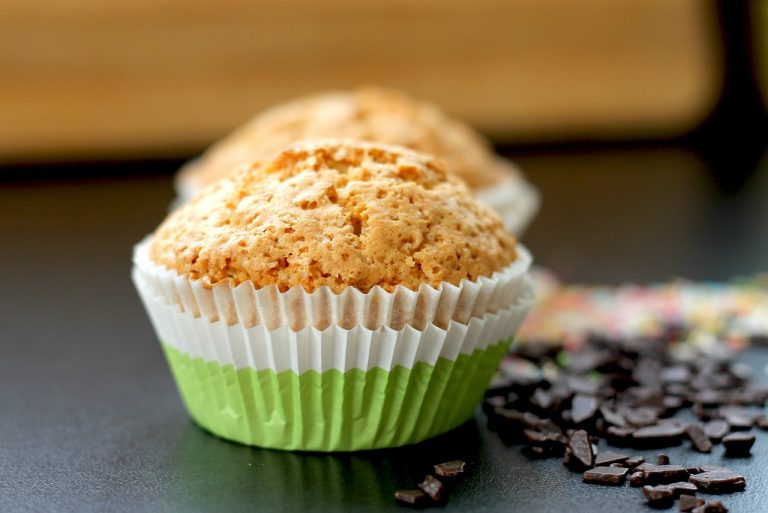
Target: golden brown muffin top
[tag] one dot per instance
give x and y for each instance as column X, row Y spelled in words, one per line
column 369, row 114
column 336, row 213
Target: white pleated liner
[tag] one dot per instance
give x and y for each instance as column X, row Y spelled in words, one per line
column 513, row 198
column 334, row 347
column 297, row 309
column 185, row 187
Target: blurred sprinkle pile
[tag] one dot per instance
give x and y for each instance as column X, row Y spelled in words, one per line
column 707, row 317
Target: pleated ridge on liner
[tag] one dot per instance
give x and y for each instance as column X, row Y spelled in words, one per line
column 297, row 309
column 334, row 347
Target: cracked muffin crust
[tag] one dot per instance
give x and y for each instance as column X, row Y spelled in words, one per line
column 369, row 114
column 337, row 214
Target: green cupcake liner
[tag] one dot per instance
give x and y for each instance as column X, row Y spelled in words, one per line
column 334, row 410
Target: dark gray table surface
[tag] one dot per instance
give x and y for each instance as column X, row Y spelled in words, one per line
column 90, row 420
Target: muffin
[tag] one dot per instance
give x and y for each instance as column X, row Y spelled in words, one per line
column 372, row 115
column 340, row 296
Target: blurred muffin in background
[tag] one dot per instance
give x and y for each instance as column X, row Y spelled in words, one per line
column 372, row 114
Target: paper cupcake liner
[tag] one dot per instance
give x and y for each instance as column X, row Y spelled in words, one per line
column 335, row 389
column 513, row 198
column 322, row 308
column 185, row 186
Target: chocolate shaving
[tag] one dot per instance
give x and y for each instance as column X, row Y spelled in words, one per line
column 605, row 475
column 699, row 439
column 688, row 502
column 579, row 454
column 434, row 488
column 450, row 468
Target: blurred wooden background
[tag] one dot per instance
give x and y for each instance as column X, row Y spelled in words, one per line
column 86, row 79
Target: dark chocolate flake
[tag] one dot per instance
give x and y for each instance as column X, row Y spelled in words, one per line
column 711, row 507
column 659, row 435
column 542, row 400
column 672, row 404
column 544, row 444
column 659, row 496
column 676, row 374
column 699, row 439
column 493, row 402
column 705, row 413
column 738, row 444
column 434, row 488
column 719, row 481
column 450, row 468
column 677, row 389
column 642, row 417
column 636, row 479
column 583, row 408
column 716, row 429
column 588, row 359
column 646, row 372
column 645, row 466
column 738, row 419
column 758, row 394
column 647, row 396
column 619, row 436
column 612, row 417
column 582, row 385
column 535, row 452
column 683, row 488
column 544, row 425
column 663, row 474
column 579, row 454
column 688, row 502
column 415, row 498
column 608, row 457
column 709, row 398
column 605, row 475
column 537, row 351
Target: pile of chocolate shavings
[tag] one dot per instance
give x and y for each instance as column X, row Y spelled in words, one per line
column 558, row 404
